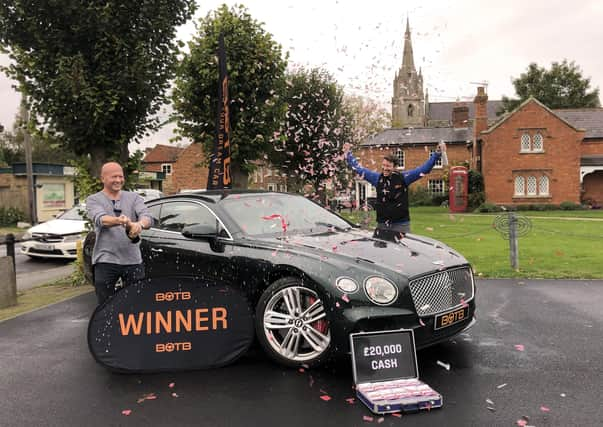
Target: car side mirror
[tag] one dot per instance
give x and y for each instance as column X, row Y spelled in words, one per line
column 200, row 231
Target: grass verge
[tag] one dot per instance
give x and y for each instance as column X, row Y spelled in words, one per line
column 565, row 248
column 41, row 296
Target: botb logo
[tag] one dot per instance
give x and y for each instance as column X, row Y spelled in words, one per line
column 169, row 347
column 172, row 296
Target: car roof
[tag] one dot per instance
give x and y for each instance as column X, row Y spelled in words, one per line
column 215, row 196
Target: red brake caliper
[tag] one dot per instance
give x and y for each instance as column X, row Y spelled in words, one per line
column 320, row 325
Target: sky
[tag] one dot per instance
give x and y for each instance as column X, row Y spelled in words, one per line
column 457, row 44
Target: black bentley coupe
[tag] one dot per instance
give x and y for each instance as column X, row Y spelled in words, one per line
column 311, row 277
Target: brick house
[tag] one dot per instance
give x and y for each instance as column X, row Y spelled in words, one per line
column 158, row 166
column 536, row 155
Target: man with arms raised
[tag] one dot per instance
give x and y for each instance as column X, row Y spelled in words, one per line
column 393, row 217
column 119, row 217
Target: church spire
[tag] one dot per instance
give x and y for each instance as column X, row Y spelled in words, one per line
column 408, row 62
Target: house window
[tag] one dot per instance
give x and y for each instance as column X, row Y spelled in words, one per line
column 400, row 158
column 410, row 110
column 532, row 189
column 282, row 188
column 435, row 186
column 543, row 187
column 166, row 168
column 525, row 142
column 438, row 163
column 537, row 142
column 271, row 187
column 520, row 188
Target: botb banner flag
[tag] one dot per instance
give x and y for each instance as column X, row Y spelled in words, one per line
column 219, row 168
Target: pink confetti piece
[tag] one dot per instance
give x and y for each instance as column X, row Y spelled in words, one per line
column 367, row 418
column 545, row 409
column 522, row 423
column 519, row 347
column 501, row 386
column 345, row 298
column 397, row 415
column 421, row 322
column 301, row 370
column 351, row 400
column 337, row 304
column 174, row 394
column 171, row 385
column 380, row 420
column 325, row 397
column 126, row 412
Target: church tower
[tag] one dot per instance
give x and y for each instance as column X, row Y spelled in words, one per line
column 408, row 103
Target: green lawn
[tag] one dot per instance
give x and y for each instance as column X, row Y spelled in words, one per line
column 554, row 248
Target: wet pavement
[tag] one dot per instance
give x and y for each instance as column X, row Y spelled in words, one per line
column 535, row 352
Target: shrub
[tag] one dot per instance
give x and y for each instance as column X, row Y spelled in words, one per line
column 489, row 207
column 475, row 200
column 419, row 197
column 569, row 206
column 10, row 216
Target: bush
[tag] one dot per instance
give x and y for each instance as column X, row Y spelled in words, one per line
column 570, row 206
column 474, row 200
column 419, row 197
column 476, row 182
column 537, row 207
column 489, row 207
column 10, row 216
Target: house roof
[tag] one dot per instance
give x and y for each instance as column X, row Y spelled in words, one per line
column 520, row 106
column 408, row 136
column 163, row 154
column 443, row 110
column 590, row 119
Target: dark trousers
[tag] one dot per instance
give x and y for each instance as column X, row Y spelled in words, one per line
column 391, row 232
column 106, row 275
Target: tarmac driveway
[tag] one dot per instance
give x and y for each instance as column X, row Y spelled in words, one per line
column 535, row 352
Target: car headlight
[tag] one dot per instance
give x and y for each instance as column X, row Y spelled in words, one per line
column 380, row 290
column 72, row 238
column 346, row 285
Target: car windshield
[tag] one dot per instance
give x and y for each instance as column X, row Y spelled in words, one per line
column 73, row 214
column 278, row 213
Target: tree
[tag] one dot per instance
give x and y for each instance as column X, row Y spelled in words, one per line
column 256, row 70
column 563, row 86
column 316, row 126
column 95, row 72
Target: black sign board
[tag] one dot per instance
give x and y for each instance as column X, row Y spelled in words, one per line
column 169, row 324
column 384, row 356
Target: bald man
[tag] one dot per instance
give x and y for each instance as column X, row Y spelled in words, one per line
column 116, row 253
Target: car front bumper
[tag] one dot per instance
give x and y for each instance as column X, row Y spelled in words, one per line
column 66, row 250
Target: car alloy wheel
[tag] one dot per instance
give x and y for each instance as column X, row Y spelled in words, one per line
column 294, row 327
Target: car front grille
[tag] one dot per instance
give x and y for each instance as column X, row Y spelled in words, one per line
column 441, row 291
column 47, row 238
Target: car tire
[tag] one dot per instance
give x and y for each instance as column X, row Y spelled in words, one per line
column 307, row 342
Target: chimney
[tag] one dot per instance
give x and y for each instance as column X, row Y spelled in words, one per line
column 460, row 115
column 480, row 123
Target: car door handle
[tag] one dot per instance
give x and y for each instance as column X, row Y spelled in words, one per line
column 156, row 250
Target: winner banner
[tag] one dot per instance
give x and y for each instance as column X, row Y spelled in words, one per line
column 170, row 324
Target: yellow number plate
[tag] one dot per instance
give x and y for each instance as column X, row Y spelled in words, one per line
column 448, row 319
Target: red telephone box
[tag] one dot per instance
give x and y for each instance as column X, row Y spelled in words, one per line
column 457, row 196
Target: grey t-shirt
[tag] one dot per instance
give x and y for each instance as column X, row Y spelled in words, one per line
column 112, row 244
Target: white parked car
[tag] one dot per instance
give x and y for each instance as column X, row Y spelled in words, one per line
column 56, row 238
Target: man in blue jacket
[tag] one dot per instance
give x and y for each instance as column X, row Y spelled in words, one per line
column 393, row 217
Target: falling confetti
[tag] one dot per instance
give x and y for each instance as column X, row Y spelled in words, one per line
column 380, row 420
column 171, row 385
column 501, row 386
column 367, row 418
column 519, row 347
column 126, row 412
column 325, row 397
column 545, row 409
column 345, row 298
column 174, row 395
column 444, row 365
column 490, row 402
column 397, row 415
column 421, row 322
column 351, row 400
